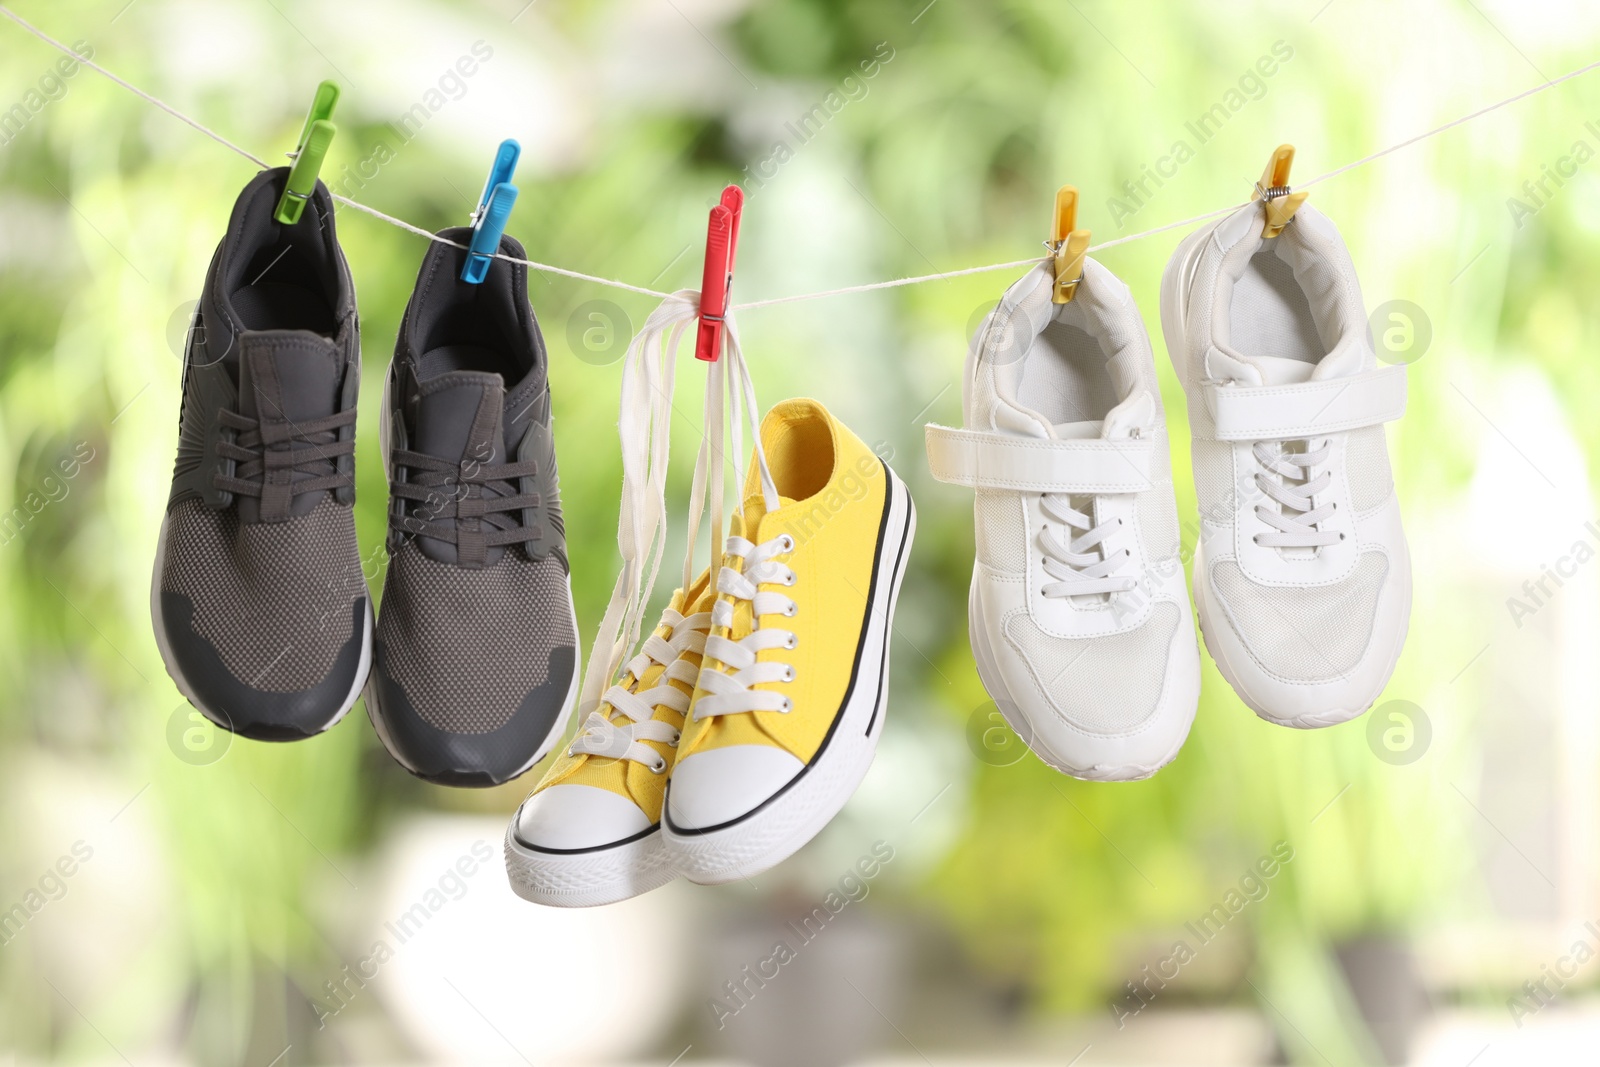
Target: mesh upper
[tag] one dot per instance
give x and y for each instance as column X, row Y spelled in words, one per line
column 1303, row 633
column 1156, row 509
column 1000, row 530
column 273, row 599
column 1215, row 492
column 469, row 644
column 1367, row 468
column 1104, row 685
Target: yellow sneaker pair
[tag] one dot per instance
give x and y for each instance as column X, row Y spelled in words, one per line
column 788, row 650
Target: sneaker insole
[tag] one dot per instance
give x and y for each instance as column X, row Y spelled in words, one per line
column 1064, row 376
column 1270, row 315
column 447, row 358
column 280, row 306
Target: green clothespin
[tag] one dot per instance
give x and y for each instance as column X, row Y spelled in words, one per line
column 315, row 137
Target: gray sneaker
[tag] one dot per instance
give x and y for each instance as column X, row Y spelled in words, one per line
column 260, row 609
column 476, row 671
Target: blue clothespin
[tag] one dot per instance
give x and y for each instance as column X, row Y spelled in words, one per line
column 494, row 208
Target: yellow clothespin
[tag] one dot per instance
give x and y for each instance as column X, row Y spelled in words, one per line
column 1273, row 188
column 1068, row 245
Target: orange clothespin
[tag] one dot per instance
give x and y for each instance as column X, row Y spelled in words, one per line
column 1068, row 245
column 722, row 242
column 1279, row 203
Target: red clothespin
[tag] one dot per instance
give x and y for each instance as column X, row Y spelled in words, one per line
column 722, row 242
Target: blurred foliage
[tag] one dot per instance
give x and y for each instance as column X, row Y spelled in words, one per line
column 945, row 157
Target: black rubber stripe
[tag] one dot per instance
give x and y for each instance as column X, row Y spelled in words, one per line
column 646, row 832
column 855, row 670
column 888, row 615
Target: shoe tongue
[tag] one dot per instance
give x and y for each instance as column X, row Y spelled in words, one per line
column 1347, row 358
column 1136, row 411
column 754, row 514
column 1279, row 370
column 458, row 420
column 458, row 417
column 289, row 376
column 293, row 375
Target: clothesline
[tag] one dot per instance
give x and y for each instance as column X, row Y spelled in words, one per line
column 868, row 287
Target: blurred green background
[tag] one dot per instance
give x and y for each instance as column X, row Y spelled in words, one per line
column 225, row 900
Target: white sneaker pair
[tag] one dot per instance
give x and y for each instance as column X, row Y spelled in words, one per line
column 1079, row 613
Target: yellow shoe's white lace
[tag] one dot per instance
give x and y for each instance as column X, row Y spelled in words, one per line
column 636, row 708
column 731, row 692
column 645, row 426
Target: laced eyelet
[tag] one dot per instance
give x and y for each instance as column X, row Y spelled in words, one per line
column 792, row 642
column 785, row 543
column 676, row 737
column 659, row 765
column 788, row 674
column 792, row 610
column 788, row 706
column 793, row 577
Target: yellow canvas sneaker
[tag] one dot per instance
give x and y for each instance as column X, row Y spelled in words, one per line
column 590, row 832
column 790, row 700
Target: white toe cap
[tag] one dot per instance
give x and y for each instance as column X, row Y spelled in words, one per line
column 721, row 784
column 567, row 817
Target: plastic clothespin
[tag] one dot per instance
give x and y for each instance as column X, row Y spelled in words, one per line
column 1069, row 246
column 494, row 208
column 722, row 243
column 315, row 137
column 1273, row 188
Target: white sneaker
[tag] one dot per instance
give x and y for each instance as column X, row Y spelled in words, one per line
column 1301, row 576
column 1079, row 613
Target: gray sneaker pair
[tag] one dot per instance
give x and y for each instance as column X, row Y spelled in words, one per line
column 259, row 599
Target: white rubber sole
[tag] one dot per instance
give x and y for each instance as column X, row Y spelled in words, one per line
column 786, row 822
column 588, row 879
column 989, row 675
column 363, row 666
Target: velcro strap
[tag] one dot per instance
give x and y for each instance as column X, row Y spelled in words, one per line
column 1308, row 409
column 1037, row 464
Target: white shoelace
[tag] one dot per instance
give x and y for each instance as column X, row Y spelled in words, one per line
column 1078, row 568
column 731, row 692
column 645, row 427
column 1289, row 478
column 601, row 736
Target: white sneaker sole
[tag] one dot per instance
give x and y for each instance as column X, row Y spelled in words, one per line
column 785, row 822
column 589, row 878
column 363, row 666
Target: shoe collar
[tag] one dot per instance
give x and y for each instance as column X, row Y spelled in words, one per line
column 1104, row 309
column 1314, row 251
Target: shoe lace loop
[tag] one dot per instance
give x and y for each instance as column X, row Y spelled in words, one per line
column 1289, row 476
column 263, row 447
column 731, row 691
column 444, row 496
column 601, row 735
column 1081, row 566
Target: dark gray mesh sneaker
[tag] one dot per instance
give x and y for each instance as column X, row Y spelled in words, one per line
column 476, row 667
column 260, row 609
